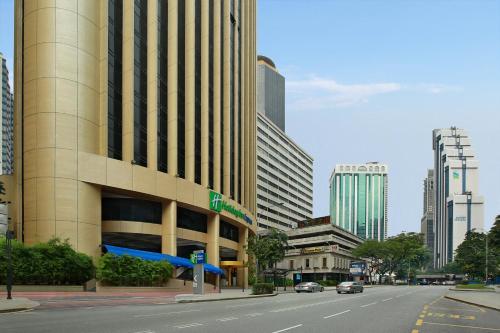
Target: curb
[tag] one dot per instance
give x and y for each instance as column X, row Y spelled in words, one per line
column 16, row 310
column 223, row 299
column 472, row 303
column 24, row 307
column 474, row 290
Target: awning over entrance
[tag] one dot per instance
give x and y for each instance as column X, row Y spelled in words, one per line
column 154, row 256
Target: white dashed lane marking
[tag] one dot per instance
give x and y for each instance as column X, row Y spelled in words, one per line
column 336, row 314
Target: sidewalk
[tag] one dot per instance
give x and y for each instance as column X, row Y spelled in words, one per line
column 50, row 300
column 225, row 294
column 490, row 300
column 17, row 304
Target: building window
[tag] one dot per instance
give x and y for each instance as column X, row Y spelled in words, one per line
column 115, row 26
column 291, row 266
column 229, row 231
column 126, row 209
column 141, row 82
column 307, row 263
column 221, row 95
column 162, row 126
column 211, row 94
column 188, row 219
column 240, row 80
column 324, row 263
column 197, row 94
column 181, row 19
column 231, row 101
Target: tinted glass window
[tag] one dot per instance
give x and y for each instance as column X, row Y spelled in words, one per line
column 229, row 231
column 124, row 209
column 115, row 26
column 188, row 219
column 141, row 82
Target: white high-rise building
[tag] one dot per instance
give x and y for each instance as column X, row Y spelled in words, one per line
column 358, row 199
column 458, row 206
column 284, row 169
column 7, row 121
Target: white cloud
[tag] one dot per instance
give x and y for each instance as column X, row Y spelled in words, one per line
column 316, row 93
column 320, row 93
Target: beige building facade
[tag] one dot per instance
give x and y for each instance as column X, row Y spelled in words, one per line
column 129, row 116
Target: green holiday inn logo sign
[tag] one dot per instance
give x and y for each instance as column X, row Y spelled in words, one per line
column 218, row 204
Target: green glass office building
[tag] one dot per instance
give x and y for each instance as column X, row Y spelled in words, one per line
column 358, row 199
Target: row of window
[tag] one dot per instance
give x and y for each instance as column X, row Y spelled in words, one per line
column 303, row 195
column 115, row 94
column 300, row 202
column 136, row 210
column 284, row 162
column 296, row 152
column 308, row 263
column 268, row 159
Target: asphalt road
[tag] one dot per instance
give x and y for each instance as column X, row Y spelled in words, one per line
column 379, row 309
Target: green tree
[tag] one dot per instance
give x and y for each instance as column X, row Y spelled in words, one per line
column 470, row 255
column 494, row 236
column 372, row 251
column 268, row 249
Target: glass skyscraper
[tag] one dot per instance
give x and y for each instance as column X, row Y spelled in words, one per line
column 358, row 199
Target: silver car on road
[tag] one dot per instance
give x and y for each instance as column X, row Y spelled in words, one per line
column 349, row 287
column 309, row 287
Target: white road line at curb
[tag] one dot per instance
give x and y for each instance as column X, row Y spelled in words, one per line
column 287, row 329
column 189, row 325
column 336, row 314
column 387, row 299
column 164, row 314
column 363, row 306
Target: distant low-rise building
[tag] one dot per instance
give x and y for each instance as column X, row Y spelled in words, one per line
column 318, row 250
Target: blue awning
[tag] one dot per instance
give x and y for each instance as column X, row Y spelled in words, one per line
column 213, row 269
column 154, row 256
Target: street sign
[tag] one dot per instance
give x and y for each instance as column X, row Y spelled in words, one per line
column 198, row 257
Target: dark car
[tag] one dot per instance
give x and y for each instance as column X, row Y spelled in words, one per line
column 349, row 287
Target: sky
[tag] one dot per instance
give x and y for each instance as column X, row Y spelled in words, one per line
column 370, row 80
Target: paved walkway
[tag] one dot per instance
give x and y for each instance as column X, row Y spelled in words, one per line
column 490, row 300
column 16, row 304
column 49, row 300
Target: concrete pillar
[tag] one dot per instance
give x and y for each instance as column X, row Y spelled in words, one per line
column 169, row 228
column 152, row 122
column 205, row 20
column 172, row 87
column 226, row 154
column 189, row 90
column 213, row 239
column 217, row 98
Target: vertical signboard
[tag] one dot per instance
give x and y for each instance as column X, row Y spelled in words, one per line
column 198, row 259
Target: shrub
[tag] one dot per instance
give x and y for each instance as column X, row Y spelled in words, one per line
column 328, row 283
column 262, row 288
column 54, row 263
column 130, row 271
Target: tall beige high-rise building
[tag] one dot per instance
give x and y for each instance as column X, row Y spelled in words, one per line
column 135, row 126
